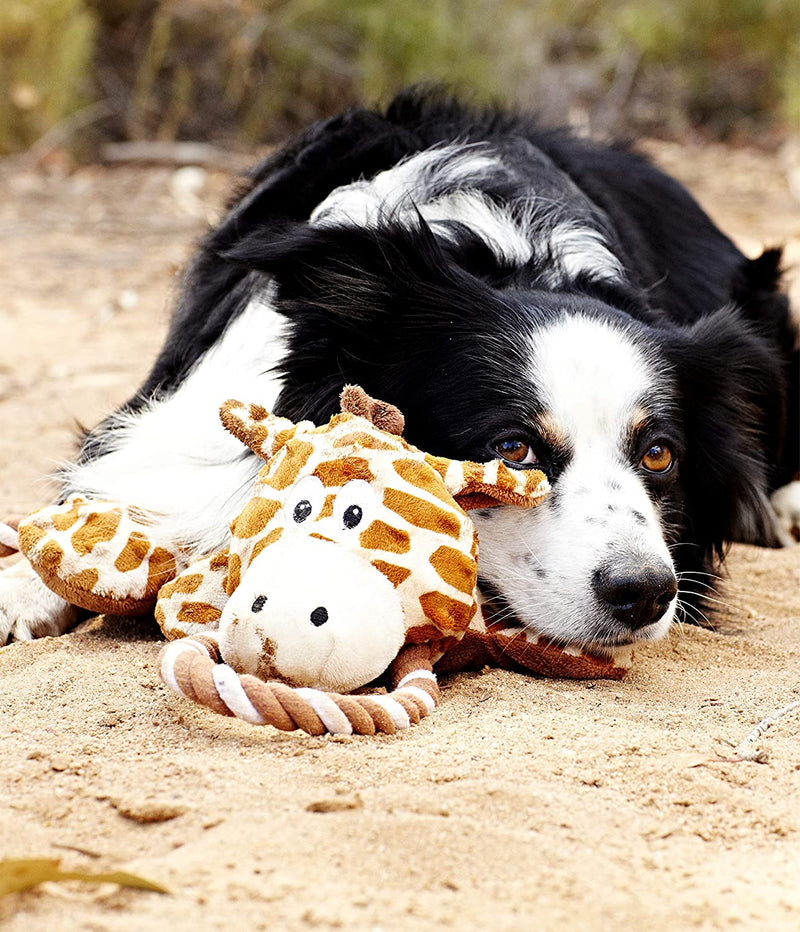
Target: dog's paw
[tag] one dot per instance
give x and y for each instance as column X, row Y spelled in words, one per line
column 786, row 505
column 28, row 609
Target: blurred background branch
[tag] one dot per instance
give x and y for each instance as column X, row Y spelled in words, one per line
column 239, row 72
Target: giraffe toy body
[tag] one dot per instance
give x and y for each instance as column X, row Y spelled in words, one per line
column 352, row 545
column 354, row 555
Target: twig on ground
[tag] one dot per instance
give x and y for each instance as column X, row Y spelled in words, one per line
column 747, row 750
column 154, row 152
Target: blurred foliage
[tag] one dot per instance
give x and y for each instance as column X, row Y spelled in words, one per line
column 46, row 50
column 254, row 70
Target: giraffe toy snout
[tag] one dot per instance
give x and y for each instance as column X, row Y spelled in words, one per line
column 291, row 617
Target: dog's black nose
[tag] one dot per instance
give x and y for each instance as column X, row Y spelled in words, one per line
column 635, row 595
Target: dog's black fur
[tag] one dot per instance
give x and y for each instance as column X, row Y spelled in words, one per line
column 431, row 324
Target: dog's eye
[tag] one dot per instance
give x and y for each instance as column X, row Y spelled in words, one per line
column 516, row 452
column 658, row 458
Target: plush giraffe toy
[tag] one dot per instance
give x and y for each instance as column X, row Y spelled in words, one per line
column 354, row 556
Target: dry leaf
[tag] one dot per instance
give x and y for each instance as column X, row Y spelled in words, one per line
column 25, row 873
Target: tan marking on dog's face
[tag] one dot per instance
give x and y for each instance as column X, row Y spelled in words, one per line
column 422, row 476
column 382, row 536
column 133, row 553
column 200, row 613
column 258, row 412
column 394, row 573
column 334, row 473
column 552, row 430
column 96, row 528
column 255, row 516
column 448, row 615
column 422, row 514
column 455, row 568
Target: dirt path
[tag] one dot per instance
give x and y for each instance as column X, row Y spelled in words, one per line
column 521, row 804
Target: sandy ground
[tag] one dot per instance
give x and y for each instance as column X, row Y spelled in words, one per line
column 520, row 804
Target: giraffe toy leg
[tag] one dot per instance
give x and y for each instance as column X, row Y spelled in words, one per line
column 191, row 604
column 101, row 556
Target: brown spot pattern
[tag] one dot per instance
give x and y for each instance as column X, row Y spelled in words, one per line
column 336, row 472
column 161, row 568
column 96, row 528
column 133, row 553
column 85, row 581
column 455, row 568
column 234, row 574
column 327, row 507
column 382, row 536
column 200, row 613
column 394, row 573
column 422, row 476
column 219, row 561
column 422, row 514
column 188, row 583
column 290, row 465
column 265, row 541
column 255, row 516
column 445, row 613
column 63, row 520
column 363, row 439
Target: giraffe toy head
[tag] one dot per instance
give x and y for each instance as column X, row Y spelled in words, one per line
column 353, row 544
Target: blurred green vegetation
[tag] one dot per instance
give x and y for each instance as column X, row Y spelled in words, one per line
column 255, row 70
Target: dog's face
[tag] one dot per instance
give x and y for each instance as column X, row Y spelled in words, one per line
column 592, row 564
column 651, row 438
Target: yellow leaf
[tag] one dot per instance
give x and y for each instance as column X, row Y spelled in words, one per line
column 25, row 873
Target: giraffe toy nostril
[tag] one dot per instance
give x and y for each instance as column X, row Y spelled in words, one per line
column 319, row 616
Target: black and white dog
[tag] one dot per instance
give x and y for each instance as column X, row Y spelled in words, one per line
column 518, row 293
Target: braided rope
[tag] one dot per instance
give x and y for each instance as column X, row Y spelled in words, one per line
column 192, row 668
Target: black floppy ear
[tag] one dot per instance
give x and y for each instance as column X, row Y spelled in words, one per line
column 733, row 398
column 351, row 272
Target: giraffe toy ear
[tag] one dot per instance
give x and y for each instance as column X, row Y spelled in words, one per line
column 355, row 400
column 263, row 432
column 485, row 485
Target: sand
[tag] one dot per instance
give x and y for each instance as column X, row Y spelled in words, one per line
column 521, row 803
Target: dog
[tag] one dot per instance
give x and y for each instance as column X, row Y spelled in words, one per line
column 519, row 293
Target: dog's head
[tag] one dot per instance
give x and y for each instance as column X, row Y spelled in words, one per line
column 654, row 440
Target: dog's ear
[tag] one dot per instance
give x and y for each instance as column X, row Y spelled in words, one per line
column 733, row 400
column 355, row 273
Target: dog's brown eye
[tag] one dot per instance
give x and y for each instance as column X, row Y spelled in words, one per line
column 658, row 458
column 515, row 451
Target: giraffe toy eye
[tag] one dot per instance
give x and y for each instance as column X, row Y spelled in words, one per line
column 355, row 505
column 305, row 500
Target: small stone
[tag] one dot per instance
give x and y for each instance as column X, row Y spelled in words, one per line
column 147, row 811
column 339, row 804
